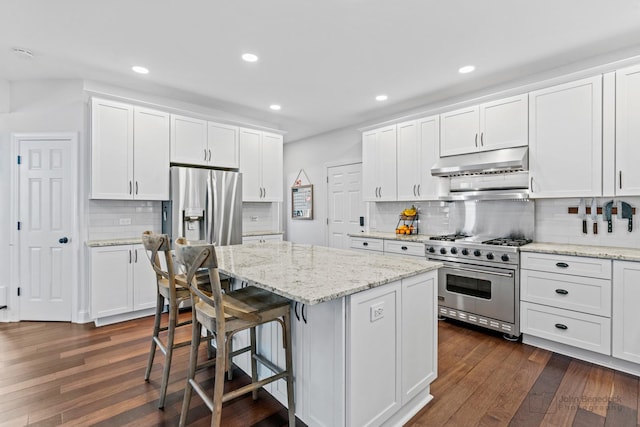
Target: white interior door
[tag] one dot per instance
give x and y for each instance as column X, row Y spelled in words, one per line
column 345, row 205
column 46, row 210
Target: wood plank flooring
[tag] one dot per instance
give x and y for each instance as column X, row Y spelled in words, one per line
column 55, row 374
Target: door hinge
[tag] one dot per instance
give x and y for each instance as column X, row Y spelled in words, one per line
column 18, row 290
column 19, row 160
column 19, row 225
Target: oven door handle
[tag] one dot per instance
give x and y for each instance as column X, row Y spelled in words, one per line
column 472, row 270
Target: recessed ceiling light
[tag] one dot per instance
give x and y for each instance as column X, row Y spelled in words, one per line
column 249, row 57
column 381, row 98
column 466, row 69
column 22, row 52
column 140, row 70
column 275, row 107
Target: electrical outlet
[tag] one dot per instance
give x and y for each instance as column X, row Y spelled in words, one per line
column 254, row 219
column 125, row 221
column 377, row 311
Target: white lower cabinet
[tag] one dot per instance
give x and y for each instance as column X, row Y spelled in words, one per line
column 626, row 295
column 122, row 280
column 567, row 299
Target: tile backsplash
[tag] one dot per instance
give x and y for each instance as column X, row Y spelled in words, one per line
column 260, row 216
column 115, row 219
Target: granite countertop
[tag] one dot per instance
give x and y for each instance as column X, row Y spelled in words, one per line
column 314, row 274
column 608, row 252
column 421, row 238
column 114, row 242
column 261, row 233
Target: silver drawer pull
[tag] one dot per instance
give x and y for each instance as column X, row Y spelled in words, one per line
column 562, row 291
column 562, row 264
column 561, row 326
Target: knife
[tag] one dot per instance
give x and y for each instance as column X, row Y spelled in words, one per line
column 582, row 214
column 594, row 215
column 627, row 213
column 606, row 215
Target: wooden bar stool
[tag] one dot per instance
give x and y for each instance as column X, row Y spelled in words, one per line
column 175, row 295
column 224, row 314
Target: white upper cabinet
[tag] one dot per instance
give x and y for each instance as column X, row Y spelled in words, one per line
column 203, row 143
column 627, row 179
column 565, row 140
column 129, row 152
column 224, row 145
column 150, row 154
column 488, row 126
column 417, row 151
column 379, row 164
column 261, row 164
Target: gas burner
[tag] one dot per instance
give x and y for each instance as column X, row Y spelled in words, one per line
column 449, row 237
column 506, row 241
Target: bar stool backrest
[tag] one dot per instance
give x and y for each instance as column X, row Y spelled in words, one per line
column 155, row 243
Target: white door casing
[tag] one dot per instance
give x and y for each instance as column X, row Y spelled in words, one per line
column 344, row 204
column 46, row 192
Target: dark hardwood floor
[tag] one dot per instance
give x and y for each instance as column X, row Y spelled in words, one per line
column 66, row 374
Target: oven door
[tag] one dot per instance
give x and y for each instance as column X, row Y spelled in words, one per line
column 485, row 291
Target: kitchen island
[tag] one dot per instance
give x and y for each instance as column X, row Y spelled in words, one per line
column 364, row 329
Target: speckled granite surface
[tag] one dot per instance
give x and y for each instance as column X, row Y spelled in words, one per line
column 609, row 252
column 422, row 238
column 261, row 233
column 313, row 274
column 114, row 242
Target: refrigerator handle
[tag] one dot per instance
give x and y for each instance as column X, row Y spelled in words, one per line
column 209, row 218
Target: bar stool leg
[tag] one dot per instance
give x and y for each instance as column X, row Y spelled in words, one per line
column 173, row 314
column 218, row 386
column 156, row 332
column 286, row 336
column 254, row 362
column 193, row 361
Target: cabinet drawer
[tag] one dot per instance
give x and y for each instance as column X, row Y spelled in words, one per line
column 574, row 265
column 404, row 248
column 367, row 244
column 567, row 327
column 583, row 294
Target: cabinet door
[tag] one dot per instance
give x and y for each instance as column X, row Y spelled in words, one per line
column 627, row 131
column 459, row 131
column 189, row 141
column 386, row 164
column 419, row 334
column 409, row 161
column 144, row 280
column 222, row 140
column 151, row 154
column 374, row 377
column 272, row 167
column 111, row 281
column 626, row 294
column 369, row 160
column 429, row 140
column 251, row 165
column 111, row 150
column 565, row 140
column 504, row 123
column 320, row 381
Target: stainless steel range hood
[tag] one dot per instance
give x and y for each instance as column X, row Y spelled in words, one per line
column 496, row 161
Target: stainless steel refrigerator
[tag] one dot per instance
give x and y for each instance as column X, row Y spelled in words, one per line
column 205, row 204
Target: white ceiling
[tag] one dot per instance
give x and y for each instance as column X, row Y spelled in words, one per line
column 324, row 61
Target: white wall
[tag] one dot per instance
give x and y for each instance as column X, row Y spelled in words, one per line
column 314, row 155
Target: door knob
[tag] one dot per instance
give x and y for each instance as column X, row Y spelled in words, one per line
column 63, row 240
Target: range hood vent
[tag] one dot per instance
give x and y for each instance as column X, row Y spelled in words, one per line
column 496, row 161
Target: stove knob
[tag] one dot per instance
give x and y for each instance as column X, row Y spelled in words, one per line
column 431, row 249
column 489, row 255
column 454, row 251
column 465, row 251
column 443, row 251
column 477, row 252
column 505, row 257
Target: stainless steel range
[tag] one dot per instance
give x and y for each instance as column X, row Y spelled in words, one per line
column 480, row 280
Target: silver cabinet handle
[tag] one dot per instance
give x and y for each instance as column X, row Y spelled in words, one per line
column 531, row 185
column 130, row 187
column 136, row 187
column 209, row 155
column 414, row 190
column 205, row 154
column 620, row 179
column 129, row 256
column 476, row 140
column 482, row 139
column 419, row 189
column 380, row 191
column 136, row 256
